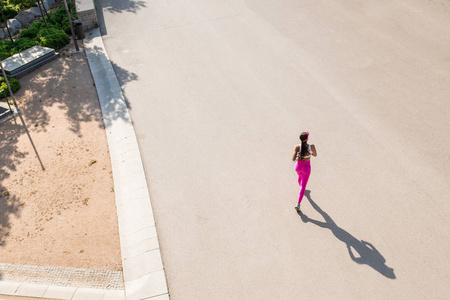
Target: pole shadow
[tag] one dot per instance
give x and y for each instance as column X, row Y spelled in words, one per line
column 25, row 128
column 361, row 252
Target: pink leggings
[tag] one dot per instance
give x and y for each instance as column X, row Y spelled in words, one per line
column 303, row 169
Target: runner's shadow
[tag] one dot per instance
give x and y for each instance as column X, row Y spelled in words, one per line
column 367, row 253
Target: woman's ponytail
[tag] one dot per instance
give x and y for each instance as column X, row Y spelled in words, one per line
column 304, row 138
column 304, row 151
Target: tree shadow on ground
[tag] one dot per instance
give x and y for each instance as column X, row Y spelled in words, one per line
column 10, row 156
column 10, row 206
column 361, row 252
column 119, row 6
column 115, row 6
column 56, row 84
column 65, row 90
column 124, row 76
column 110, row 102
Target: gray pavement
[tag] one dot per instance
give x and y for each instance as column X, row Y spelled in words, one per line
column 219, row 92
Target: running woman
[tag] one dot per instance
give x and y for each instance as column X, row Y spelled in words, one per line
column 302, row 154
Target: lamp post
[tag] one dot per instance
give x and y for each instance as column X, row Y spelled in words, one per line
column 71, row 27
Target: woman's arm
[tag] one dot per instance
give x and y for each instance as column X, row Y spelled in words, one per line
column 313, row 149
column 296, row 149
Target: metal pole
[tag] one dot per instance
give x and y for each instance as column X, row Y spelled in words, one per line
column 42, row 14
column 71, row 27
column 45, row 10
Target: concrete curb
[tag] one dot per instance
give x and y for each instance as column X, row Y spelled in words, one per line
column 60, row 276
column 143, row 270
column 60, row 283
column 27, row 289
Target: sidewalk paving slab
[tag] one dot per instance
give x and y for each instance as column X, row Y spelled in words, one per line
column 161, row 297
column 148, row 286
column 31, row 290
column 60, row 292
column 9, row 287
column 88, row 294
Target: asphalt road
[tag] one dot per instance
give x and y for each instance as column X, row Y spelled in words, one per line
column 219, row 92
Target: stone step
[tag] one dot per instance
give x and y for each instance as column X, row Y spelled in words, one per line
column 26, row 61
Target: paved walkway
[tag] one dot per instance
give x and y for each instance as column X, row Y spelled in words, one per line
column 219, row 92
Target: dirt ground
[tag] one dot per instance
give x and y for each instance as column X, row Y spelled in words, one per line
column 57, row 205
